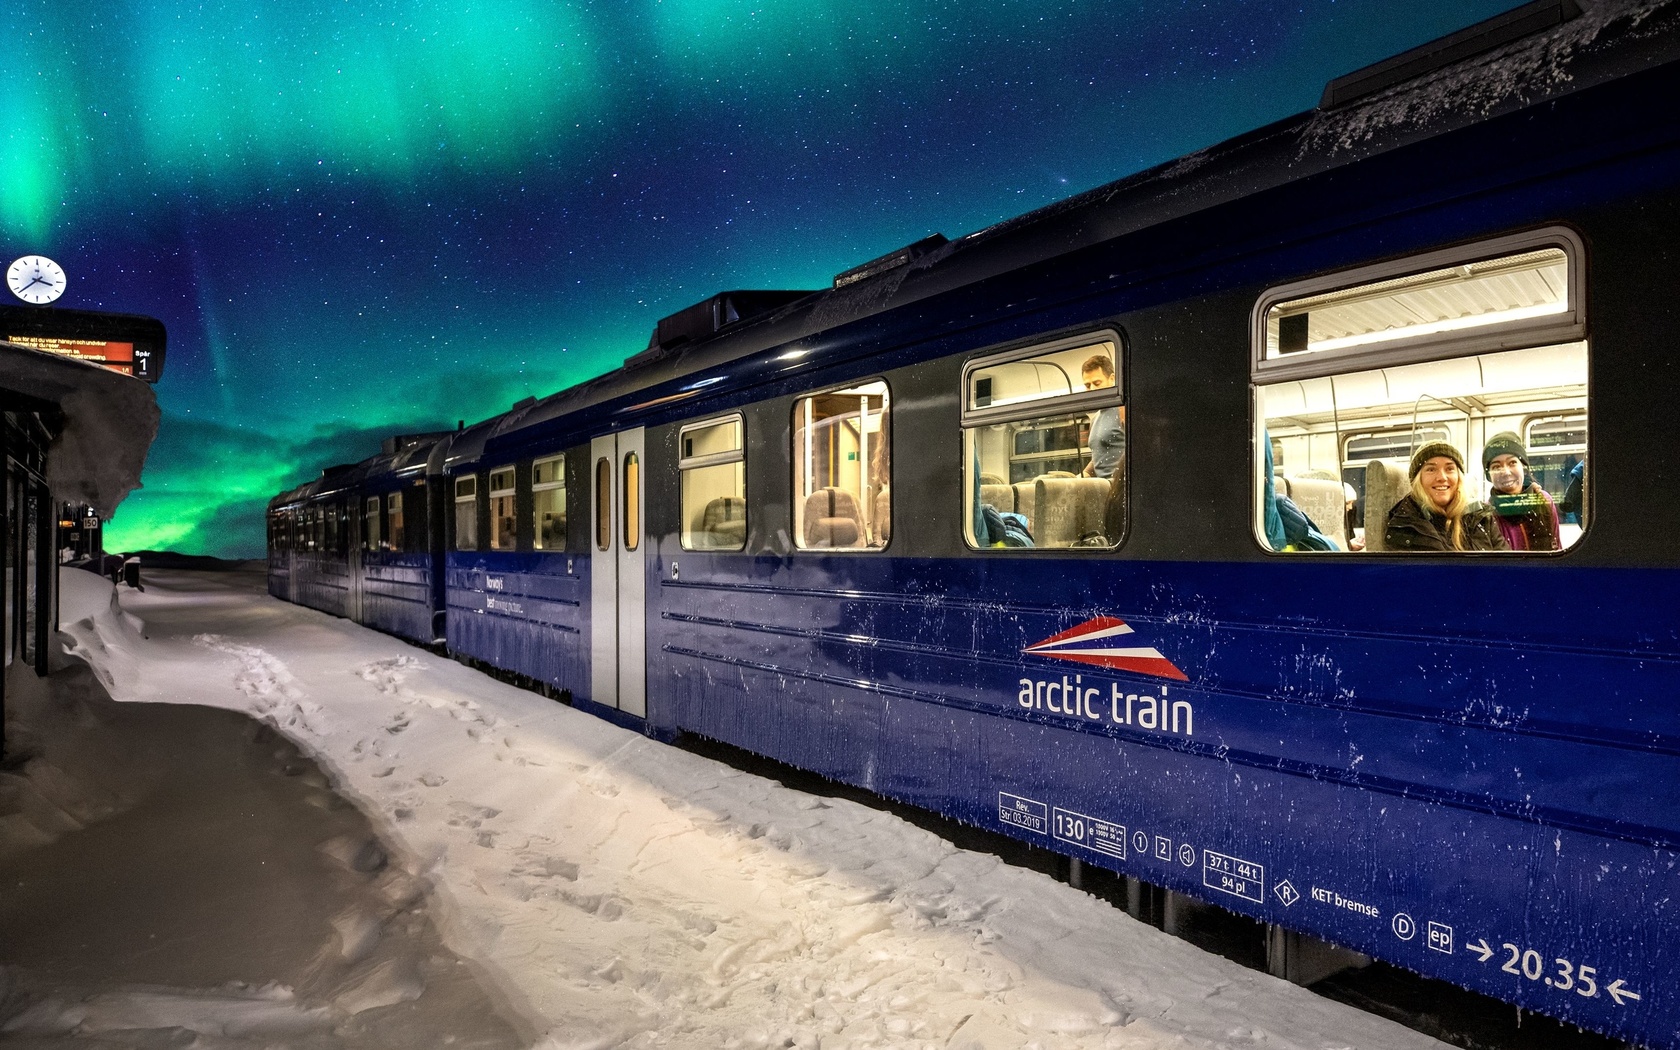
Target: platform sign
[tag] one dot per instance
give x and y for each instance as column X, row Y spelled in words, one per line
column 117, row 356
column 120, row 342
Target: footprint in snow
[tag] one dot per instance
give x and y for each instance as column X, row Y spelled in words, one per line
column 387, row 676
column 261, row 676
column 433, row 780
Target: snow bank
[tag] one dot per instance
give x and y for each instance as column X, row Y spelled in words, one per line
column 632, row 895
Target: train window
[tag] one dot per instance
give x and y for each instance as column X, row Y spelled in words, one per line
column 632, row 501
column 370, row 524
column 603, row 504
column 1557, row 458
column 466, row 513
column 548, row 492
column 397, row 540
column 712, row 463
column 842, row 468
column 1044, row 445
column 1432, row 405
column 502, row 530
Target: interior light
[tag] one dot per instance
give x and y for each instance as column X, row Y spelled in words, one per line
column 1453, row 324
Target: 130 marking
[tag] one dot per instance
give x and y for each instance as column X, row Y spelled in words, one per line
column 1568, row 976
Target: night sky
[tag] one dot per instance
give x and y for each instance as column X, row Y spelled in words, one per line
column 363, row 217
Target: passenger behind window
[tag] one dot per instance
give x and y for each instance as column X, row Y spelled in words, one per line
column 1437, row 514
column 1524, row 512
column 1108, row 433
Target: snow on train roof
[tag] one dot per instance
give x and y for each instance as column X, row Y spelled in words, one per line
column 1607, row 40
column 1522, row 71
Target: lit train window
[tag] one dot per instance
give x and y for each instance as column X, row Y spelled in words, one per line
column 603, row 504
column 1044, row 446
column 398, row 539
column 466, row 513
column 502, row 528
column 842, row 468
column 713, row 466
column 548, row 492
column 1557, row 451
column 1433, row 405
column 632, row 501
column 370, row 524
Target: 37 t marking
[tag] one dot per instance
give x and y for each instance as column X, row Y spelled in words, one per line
column 1564, row 975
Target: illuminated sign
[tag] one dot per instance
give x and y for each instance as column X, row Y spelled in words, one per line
column 120, row 342
column 118, row 357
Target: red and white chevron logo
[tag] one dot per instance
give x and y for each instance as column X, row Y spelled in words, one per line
column 1102, row 642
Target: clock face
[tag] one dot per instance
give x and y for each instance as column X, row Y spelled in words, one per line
column 36, row 279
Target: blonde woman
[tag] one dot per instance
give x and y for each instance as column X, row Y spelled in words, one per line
column 1437, row 514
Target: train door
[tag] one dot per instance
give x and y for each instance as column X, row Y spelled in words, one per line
column 618, row 575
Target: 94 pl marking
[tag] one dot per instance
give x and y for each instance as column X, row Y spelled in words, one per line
column 1564, row 975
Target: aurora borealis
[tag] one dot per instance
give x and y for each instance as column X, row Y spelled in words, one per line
column 361, row 218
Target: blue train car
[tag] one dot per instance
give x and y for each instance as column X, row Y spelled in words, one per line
column 516, row 593
column 1282, row 526
column 364, row 540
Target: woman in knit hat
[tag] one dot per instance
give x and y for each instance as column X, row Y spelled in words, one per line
column 1437, row 514
column 1525, row 514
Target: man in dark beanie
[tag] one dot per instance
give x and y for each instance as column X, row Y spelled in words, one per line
column 1526, row 515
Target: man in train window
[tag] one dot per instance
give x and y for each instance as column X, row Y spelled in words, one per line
column 1108, row 432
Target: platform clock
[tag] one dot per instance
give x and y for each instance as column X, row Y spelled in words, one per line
column 36, row 279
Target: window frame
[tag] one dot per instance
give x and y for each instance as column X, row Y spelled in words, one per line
column 603, row 494
column 1562, row 328
column 492, row 493
column 1074, row 402
column 794, row 463
column 394, row 512
column 373, row 521
column 540, row 487
column 1077, row 402
column 1569, row 326
column 455, row 510
column 713, row 459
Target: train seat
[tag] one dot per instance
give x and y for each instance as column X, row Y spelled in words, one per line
column 723, row 524
column 1385, row 484
column 1070, row 509
column 553, row 531
column 1322, row 500
column 1026, row 504
column 832, row 519
column 999, row 497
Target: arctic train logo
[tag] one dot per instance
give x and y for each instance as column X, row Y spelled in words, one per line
column 1102, row 643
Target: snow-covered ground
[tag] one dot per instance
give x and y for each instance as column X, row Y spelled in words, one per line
column 623, row 893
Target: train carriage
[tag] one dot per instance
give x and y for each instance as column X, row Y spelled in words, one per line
column 364, row 540
column 1078, row 528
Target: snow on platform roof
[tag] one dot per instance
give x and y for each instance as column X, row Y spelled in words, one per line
column 109, row 423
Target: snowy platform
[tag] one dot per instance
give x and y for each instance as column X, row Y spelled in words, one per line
column 621, row 893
